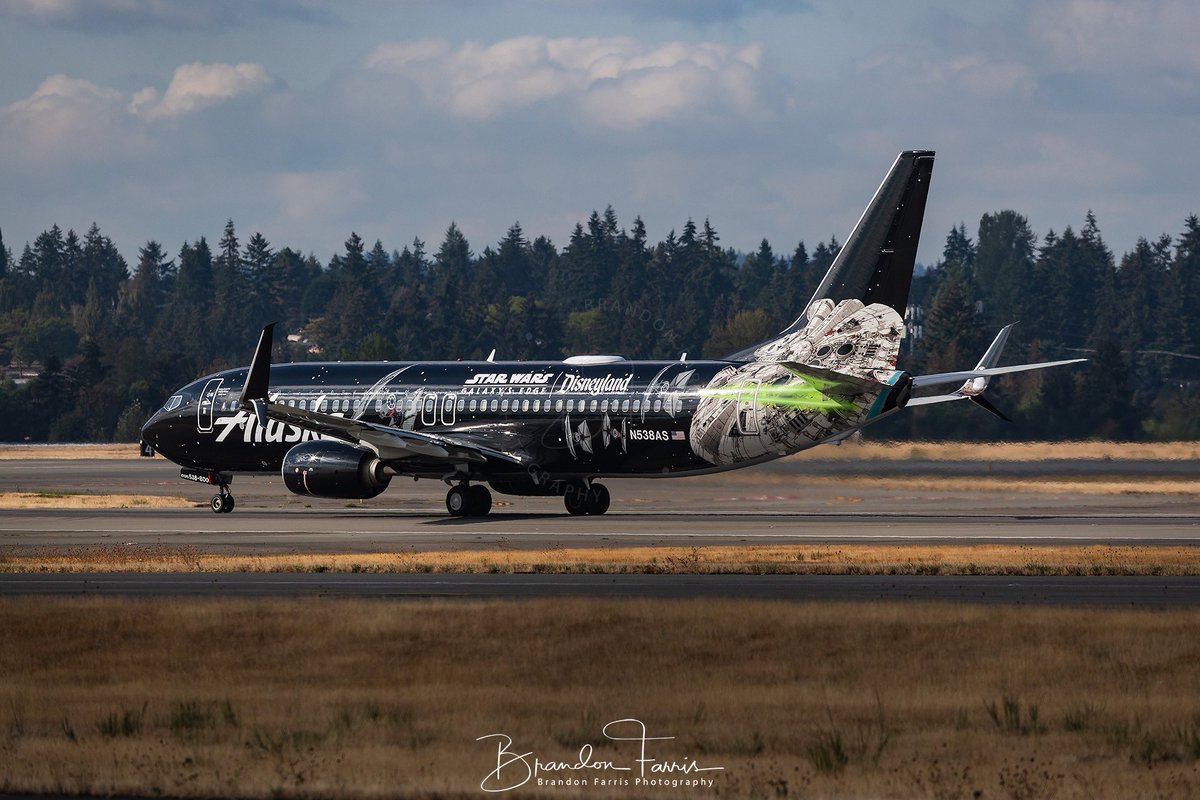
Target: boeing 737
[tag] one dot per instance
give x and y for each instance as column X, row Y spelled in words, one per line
column 344, row 430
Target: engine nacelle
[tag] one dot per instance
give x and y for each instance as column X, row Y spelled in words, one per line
column 334, row 469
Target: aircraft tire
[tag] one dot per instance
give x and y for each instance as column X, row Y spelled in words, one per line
column 480, row 500
column 229, row 504
column 458, row 501
column 597, row 499
column 576, row 501
column 221, row 503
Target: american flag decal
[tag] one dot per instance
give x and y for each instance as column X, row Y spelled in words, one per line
column 678, row 436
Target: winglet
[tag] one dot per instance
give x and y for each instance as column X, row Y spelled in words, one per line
column 259, row 377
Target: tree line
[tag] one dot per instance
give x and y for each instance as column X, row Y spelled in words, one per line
column 108, row 343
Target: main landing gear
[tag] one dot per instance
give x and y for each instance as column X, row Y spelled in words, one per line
column 590, row 499
column 469, row 501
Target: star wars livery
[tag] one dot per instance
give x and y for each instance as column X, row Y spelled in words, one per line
column 344, row 430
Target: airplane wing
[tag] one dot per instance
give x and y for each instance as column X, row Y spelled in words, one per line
column 390, row 444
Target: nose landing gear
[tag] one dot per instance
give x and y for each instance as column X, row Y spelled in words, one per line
column 469, row 501
column 222, row 502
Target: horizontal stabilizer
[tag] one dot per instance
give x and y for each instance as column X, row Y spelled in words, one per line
column 966, row 375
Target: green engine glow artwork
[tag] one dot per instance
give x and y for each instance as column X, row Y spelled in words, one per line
column 810, row 395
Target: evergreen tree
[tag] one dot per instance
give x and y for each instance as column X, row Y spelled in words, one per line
column 1003, row 273
column 256, row 262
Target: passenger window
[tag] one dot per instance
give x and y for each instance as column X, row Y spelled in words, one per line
column 537, row 405
column 624, row 405
column 303, row 405
column 558, row 404
column 495, row 404
column 637, row 406
column 595, row 405
column 604, row 405
column 525, row 405
column 504, row 404
column 658, row 405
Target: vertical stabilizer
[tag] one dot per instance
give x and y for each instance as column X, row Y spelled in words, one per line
column 875, row 265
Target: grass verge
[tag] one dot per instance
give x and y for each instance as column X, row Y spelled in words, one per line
column 843, row 559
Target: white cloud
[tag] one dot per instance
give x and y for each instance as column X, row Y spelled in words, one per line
column 1109, row 35
column 76, row 121
column 611, row 82
column 64, row 118
column 198, row 86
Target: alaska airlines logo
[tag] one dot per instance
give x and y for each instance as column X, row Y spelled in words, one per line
column 275, row 431
column 509, row 378
column 576, row 383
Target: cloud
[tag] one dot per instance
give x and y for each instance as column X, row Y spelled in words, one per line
column 67, row 118
column 616, row 83
column 197, row 86
column 123, row 16
column 75, row 121
column 1109, row 35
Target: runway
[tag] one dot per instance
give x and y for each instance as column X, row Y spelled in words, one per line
column 791, row 502
column 788, row 502
column 1140, row 592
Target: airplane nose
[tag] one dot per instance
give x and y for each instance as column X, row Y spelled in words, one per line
column 152, row 429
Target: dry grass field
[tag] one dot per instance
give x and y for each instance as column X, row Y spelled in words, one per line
column 826, row 559
column 323, row 698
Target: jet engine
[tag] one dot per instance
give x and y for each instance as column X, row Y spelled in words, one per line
column 334, row 469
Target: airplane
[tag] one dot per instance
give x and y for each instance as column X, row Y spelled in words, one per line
column 554, row 428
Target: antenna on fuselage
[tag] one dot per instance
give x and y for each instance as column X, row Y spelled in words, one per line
column 492, row 355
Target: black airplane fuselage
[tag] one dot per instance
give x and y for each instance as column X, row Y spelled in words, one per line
column 568, row 420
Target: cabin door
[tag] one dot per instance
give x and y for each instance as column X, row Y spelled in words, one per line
column 208, row 402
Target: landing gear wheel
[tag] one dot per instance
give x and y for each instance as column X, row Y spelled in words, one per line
column 597, row 498
column 480, row 500
column 576, row 501
column 221, row 503
column 458, row 501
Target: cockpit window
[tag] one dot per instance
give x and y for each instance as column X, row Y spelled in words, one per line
column 173, row 403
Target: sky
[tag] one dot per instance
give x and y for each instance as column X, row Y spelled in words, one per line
column 309, row 120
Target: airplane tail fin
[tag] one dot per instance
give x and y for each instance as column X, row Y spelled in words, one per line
column 976, row 380
column 875, row 265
